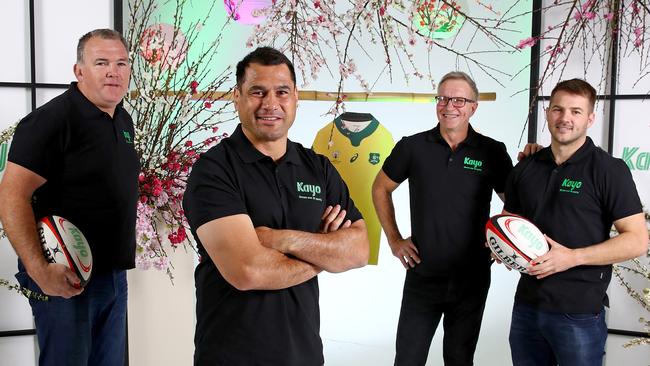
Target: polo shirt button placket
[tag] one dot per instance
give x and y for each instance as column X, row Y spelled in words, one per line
column 281, row 195
column 553, row 177
column 451, row 156
column 278, row 181
column 548, row 192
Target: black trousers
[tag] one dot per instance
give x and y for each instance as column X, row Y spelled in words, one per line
column 459, row 300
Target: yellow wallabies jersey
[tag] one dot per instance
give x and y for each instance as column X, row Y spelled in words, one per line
column 358, row 156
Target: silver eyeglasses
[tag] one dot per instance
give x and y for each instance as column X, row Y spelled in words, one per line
column 455, row 101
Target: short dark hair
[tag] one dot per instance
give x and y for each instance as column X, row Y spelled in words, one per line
column 577, row 87
column 266, row 56
column 99, row 33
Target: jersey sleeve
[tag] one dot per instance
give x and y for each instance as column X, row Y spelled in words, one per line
column 396, row 166
column 620, row 196
column 320, row 141
column 338, row 193
column 503, row 167
column 212, row 192
column 38, row 143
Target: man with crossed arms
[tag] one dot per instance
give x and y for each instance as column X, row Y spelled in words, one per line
column 268, row 216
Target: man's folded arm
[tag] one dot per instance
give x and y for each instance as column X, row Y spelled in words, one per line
column 335, row 251
column 233, row 246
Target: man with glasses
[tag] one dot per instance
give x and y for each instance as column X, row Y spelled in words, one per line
column 452, row 171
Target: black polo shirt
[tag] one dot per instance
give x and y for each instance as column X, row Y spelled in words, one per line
column 450, row 194
column 574, row 204
column 279, row 327
column 91, row 168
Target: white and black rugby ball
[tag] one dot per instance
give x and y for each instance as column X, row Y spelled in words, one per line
column 64, row 243
column 515, row 241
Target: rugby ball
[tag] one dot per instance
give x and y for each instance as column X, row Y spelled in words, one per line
column 63, row 243
column 515, row 241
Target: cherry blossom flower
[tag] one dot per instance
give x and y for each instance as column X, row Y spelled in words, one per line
column 169, row 135
column 527, row 42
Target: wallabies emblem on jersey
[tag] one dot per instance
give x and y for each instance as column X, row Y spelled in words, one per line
column 373, row 158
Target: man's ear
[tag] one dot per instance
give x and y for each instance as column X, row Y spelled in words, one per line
column 77, row 72
column 474, row 108
column 235, row 97
column 592, row 118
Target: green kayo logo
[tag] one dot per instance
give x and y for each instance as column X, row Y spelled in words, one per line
column 636, row 160
column 3, row 156
column 127, row 137
column 78, row 242
column 571, row 186
column 308, row 191
column 472, row 164
column 526, row 233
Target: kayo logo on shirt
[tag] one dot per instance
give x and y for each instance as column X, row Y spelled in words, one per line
column 571, row 186
column 127, row 137
column 308, row 191
column 634, row 161
column 472, row 164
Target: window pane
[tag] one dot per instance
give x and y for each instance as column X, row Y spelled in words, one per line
column 58, row 29
column 631, row 68
column 586, row 60
column 18, row 350
column 45, row 95
column 15, row 105
column 15, row 42
column 631, row 141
